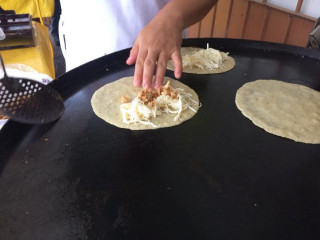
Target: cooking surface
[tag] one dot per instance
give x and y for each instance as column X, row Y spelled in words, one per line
column 216, row 176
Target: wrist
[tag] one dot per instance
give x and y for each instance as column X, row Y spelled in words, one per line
column 172, row 18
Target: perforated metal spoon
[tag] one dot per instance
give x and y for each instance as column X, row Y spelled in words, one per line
column 28, row 101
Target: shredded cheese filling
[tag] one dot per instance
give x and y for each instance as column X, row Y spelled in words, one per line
column 209, row 58
column 136, row 112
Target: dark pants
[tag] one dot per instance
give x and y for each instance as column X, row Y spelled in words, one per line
column 55, row 18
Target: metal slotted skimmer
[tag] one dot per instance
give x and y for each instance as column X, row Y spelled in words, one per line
column 28, row 101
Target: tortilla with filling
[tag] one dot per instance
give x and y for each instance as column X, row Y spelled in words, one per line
column 283, row 109
column 106, row 104
column 226, row 65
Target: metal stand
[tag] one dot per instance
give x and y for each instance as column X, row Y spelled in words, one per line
column 314, row 36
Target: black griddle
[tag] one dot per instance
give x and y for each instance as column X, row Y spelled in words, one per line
column 216, row 176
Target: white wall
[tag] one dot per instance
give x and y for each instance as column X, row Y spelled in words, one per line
column 309, row 7
column 289, row 4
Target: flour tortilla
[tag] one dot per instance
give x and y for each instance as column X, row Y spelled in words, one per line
column 106, row 104
column 226, row 66
column 283, row 109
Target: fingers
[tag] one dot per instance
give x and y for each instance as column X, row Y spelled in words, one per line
column 161, row 70
column 144, row 69
column 147, row 62
column 138, row 69
column 148, row 70
column 177, row 62
column 133, row 55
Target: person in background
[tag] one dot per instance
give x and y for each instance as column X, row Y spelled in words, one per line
column 153, row 28
column 55, row 22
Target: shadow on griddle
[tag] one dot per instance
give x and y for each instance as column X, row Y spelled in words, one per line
column 12, row 135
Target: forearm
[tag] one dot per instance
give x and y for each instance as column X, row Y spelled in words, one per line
column 184, row 13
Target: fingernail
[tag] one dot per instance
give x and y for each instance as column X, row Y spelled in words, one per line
column 178, row 75
column 146, row 86
column 156, row 86
column 135, row 82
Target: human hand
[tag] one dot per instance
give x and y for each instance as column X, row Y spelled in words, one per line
column 158, row 42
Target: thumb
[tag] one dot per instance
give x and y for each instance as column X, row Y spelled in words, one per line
column 133, row 54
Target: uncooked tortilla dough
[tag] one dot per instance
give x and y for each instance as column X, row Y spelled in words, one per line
column 226, row 66
column 106, row 104
column 283, row 109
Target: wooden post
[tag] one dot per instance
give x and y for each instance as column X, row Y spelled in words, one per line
column 288, row 30
column 246, row 20
column 214, row 18
column 229, row 18
column 299, row 4
column 265, row 23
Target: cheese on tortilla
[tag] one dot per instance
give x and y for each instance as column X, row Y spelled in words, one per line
column 204, row 61
column 136, row 112
column 106, row 105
